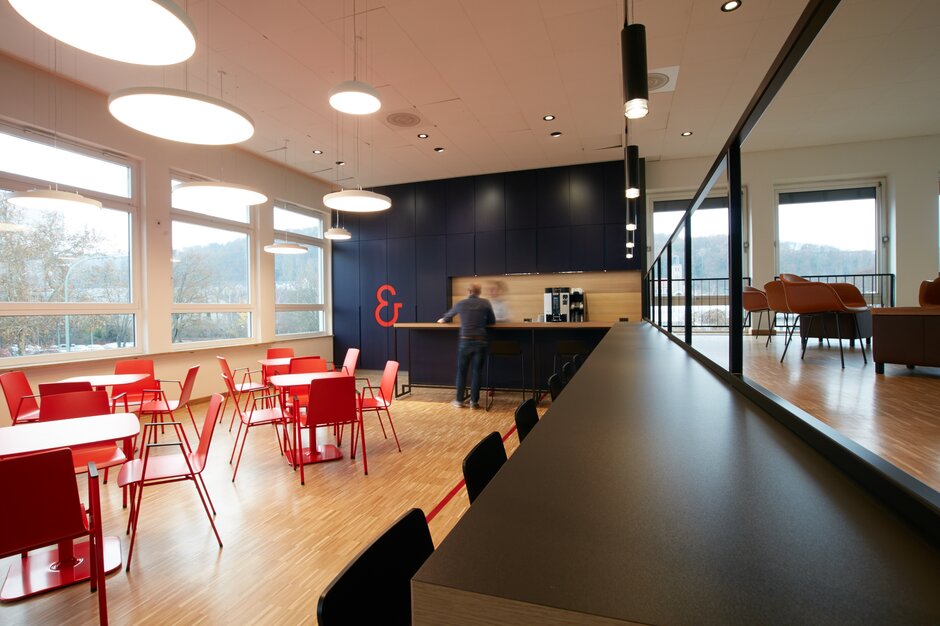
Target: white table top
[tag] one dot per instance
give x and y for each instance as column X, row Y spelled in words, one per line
column 39, row 436
column 106, row 380
column 295, row 380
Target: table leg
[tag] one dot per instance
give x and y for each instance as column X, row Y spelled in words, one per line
column 51, row 569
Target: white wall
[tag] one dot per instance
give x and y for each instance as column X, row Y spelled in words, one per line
column 910, row 167
column 28, row 97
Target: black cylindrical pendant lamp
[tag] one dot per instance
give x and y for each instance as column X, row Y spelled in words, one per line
column 632, row 164
column 635, row 83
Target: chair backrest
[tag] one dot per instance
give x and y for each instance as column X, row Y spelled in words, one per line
column 17, row 392
column 208, row 427
column 51, row 389
column 929, row 293
column 567, row 372
column 810, row 297
column 134, row 366
column 754, row 299
column 849, row 294
column 332, row 401
column 793, row 278
column 776, row 297
column 223, row 365
column 571, row 347
column 526, row 418
column 577, row 360
column 555, row 385
column 387, row 386
column 307, row 365
column 230, row 388
column 482, row 463
column 74, row 404
column 375, row 587
column 351, row 360
column 280, row 353
column 187, row 391
column 504, row 347
column 43, row 504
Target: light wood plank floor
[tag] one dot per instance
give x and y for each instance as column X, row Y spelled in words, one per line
column 896, row 415
column 283, row 542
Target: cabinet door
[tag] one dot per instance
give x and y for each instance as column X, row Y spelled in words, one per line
column 521, row 251
column 460, row 255
column 401, row 217
column 401, row 277
column 490, row 254
column 460, row 209
column 615, row 185
column 373, row 226
column 431, row 208
column 554, row 205
column 554, row 252
column 490, row 203
column 373, row 263
column 431, row 277
column 345, row 269
column 615, row 248
column 587, row 248
column 586, row 194
column 521, row 200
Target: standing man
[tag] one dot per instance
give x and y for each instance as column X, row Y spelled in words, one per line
column 475, row 313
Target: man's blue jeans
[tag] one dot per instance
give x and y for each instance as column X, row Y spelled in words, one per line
column 470, row 355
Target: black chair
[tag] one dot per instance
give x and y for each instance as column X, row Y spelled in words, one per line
column 566, row 350
column 567, row 372
column 375, row 587
column 482, row 463
column 555, row 385
column 502, row 348
column 577, row 360
column 526, row 418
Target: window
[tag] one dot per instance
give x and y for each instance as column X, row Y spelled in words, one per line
column 709, row 235
column 211, row 277
column 828, row 231
column 66, row 276
column 299, row 279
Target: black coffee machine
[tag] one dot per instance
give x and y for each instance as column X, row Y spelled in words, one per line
column 577, row 305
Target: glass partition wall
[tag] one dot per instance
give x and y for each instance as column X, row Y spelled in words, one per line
column 838, row 152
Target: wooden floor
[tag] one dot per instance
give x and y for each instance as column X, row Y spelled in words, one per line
column 283, row 542
column 895, row 415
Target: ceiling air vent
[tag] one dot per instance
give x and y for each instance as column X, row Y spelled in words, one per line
column 403, row 119
column 663, row 79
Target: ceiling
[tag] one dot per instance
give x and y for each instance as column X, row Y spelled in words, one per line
column 480, row 74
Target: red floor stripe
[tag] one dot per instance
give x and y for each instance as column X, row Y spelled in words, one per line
column 453, row 492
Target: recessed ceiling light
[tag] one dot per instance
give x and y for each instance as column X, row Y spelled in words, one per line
column 422, row 135
column 318, row 151
column 341, row 162
column 548, row 118
column 438, row 149
column 687, row 133
column 731, row 5
column 556, row 134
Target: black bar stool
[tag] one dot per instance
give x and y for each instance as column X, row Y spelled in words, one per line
column 504, row 348
column 568, row 349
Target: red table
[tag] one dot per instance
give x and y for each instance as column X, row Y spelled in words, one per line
column 68, row 563
column 106, row 380
column 315, row 453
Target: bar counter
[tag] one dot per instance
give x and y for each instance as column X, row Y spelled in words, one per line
column 652, row 492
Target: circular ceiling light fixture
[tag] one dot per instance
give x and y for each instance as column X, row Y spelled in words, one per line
column 438, row 150
column 556, row 134
column 548, row 118
column 731, row 5
column 629, row 255
column 341, row 163
column 285, row 247
column 318, row 151
column 687, row 133
column 145, row 32
column 45, row 199
column 423, row 135
column 180, row 115
column 357, row 201
column 631, row 226
column 355, row 98
column 630, row 244
column 197, row 195
column 338, row 233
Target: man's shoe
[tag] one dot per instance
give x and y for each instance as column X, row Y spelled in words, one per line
column 458, row 404
column 474, row 405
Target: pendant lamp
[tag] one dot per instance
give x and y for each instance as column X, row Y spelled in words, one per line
column 357, row 201
column 285, row 247
column 44, row 199
column 635, row 81
column 354, row 96
column 181, row 116
column 338, row 233
column 199, row 194
column 145, row 32
column 632, row 161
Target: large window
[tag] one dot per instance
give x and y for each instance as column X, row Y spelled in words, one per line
column 709, row 235
column 828, row 231
column 66, row 276
column 299, row 279
column 211, row 278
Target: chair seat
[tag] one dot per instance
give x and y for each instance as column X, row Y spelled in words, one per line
column 248, row 386
column 158, row 468
column 28, row 416
column 159, row 406
column 263, row 416
column 374, row 403
column 101, row 455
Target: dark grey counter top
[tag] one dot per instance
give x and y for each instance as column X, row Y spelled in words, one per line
column 691, row 507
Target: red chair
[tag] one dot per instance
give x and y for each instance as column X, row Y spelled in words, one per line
column 169, row 468
column 246, row 386
column 81, row 404
column 48, row 510
column 51, row 389
column 302, row 365
column 134, row 394
column 331, row 402
column 268, row 371
column 349, row 363
column 381, row 402
column 263, row 416
column 20, row 398
column 158, row 405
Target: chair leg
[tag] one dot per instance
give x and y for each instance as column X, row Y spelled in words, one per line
column 771, row 326
column 235, row 445
column 240, row 451
column 205, row 506
column 858, row 333
column 206, row 490
column 135, row 517
column 786, row 346
column 362, row 434
column 392, row 424
column 809, row 333
column 193, row 420
column 222, row 410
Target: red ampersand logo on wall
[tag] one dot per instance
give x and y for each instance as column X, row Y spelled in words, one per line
column 383, row 303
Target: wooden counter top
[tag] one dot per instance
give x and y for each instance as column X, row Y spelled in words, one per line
column 508, row 325
column 652, row 492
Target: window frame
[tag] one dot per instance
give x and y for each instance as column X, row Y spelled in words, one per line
column 16, row 182
column 249, row 228
column 325, row 267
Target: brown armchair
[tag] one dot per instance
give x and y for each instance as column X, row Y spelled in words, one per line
column 777, row 301
column 755, row 301
column 811, row 300
column 930, row 292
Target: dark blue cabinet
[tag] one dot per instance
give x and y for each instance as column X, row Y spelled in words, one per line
column 431, row 208
column 521, row 251
column 587, row 248
column 586, row 194
column 554, row 205
column 615, row 248
column 401, row 217
column 373, row 226
column 615, row 186
column 373, row 273
column 490, row 253
column 401, row 278
column 345, row 298
column 460, row 255
column 490, row 203
column 431, row 277
column 521, row 200
column 554, row 251
column 460, row 206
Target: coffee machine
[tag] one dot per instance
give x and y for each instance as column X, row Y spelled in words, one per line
column 557, row 304
column 577, row 305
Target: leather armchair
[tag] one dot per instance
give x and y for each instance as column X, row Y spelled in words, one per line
column 929, row 295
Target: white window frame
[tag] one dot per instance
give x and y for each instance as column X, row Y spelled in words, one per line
column 325, row 283
column 251, row 307
column 15, row 182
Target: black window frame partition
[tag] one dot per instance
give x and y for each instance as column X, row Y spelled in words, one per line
column 899, row 491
